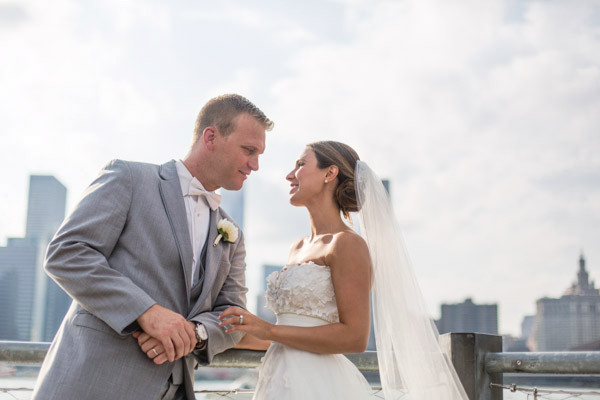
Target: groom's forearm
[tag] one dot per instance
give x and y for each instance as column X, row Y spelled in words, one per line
column 77, row 256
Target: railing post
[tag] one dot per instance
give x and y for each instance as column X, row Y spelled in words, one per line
column 467, row 352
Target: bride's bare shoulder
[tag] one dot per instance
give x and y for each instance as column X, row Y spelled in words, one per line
column 348, row 238
column 348, row 245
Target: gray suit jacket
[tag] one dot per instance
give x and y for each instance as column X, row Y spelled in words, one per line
column 125, row 247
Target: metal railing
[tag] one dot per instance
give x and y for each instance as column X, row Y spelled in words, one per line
column 34, row 353
column 576, row 363
column 477, row 358
column 23, row 352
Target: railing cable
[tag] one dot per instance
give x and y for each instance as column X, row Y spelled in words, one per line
column 8, row 390
column 544, row 393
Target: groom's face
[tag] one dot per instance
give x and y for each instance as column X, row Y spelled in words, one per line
column 236, row 155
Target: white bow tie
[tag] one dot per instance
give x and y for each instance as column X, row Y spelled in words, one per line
column 212, row 198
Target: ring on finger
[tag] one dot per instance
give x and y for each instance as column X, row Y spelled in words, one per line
column 155, row 352
column 241, row 320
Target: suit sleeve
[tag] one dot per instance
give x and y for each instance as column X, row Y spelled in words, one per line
column 232, row 293
column 77, row 256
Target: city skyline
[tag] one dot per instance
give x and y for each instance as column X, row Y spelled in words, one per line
column 32, row 304
column 483, row 116
column 44, row 217
column 570, row 321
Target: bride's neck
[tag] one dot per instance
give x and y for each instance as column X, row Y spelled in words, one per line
column 325, row 218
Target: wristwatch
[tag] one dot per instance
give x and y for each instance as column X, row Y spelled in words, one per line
column 201, row 335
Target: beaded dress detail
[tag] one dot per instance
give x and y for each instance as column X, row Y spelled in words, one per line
column 303, row 295
column 304, row 289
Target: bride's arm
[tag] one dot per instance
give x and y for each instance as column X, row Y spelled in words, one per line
column 351, row 274
column 251, row 342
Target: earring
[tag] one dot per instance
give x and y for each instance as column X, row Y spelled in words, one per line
column 326, row 181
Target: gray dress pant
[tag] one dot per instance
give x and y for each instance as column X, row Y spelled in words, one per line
column 174, row 389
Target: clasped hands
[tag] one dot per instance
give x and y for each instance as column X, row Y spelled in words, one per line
column 166, row 336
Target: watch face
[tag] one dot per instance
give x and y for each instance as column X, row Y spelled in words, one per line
column 201, row 329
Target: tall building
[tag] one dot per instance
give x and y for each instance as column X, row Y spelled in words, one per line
column 261, row 310
column 527, row 326
column 519, row 344
column 232, row 201
column 386, row 185
column 469, row 317
column 45, row 207
column 570, row 321
column 18, row 262
column 32, row 305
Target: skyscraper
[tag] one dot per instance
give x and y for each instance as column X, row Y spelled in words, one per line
column 469, row 317
column 32, row 304
column 569, row 321
column 261, row 310
column 46, row 206
column 17, row 281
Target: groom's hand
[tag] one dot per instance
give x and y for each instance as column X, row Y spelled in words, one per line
column 152, row 347
column 175, row 334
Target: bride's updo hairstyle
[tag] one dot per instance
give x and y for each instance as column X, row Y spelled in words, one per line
column 330, row 153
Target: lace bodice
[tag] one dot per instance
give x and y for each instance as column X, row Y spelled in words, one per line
column 303, row 289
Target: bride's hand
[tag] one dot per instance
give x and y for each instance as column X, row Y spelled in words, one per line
column 244, row 321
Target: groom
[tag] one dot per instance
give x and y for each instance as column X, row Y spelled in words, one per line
column 139, row 259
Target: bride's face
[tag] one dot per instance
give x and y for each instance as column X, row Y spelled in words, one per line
column 306, row 179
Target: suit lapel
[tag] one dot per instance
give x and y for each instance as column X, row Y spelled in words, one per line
column 170, row 192
column 213, row 257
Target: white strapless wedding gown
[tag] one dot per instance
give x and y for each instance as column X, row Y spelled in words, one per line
column 302, row 295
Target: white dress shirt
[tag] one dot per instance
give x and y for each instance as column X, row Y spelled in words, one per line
column 198, row 215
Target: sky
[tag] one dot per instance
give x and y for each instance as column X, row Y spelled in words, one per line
column 484, row 116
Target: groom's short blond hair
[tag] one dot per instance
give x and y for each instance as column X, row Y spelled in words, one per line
column 220, row 112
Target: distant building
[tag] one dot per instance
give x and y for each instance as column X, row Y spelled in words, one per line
column 519, row 344
column 45, row 207
column 386, row 185
column 18, row 261
column 31, row 304
column 527, row 326
column 372, row 343
column 469, row 317
column 511, row 343
column 261, row 310
column 571, row 321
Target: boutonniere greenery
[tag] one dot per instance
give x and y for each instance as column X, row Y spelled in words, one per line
column 227, row 231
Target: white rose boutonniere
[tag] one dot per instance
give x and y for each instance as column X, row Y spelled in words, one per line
column 227, row 231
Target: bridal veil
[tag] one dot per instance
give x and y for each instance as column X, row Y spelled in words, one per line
column 409, row 355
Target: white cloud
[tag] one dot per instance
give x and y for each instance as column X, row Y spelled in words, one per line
column 484, row 117
column 467, row 135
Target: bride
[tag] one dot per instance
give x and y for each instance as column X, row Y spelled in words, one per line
column 321, row 297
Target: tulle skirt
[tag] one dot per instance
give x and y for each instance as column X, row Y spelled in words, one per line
column 292, row 374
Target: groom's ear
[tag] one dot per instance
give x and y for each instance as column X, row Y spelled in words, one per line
column 208, row 137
